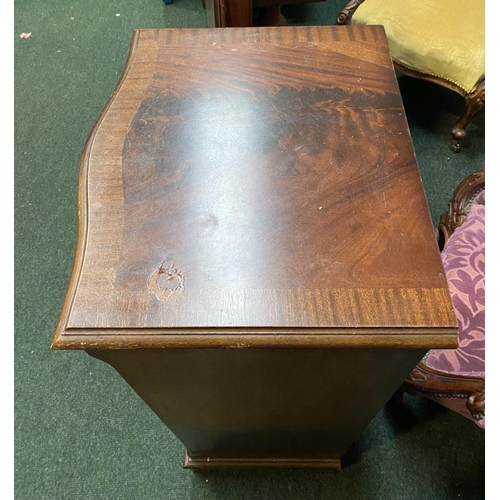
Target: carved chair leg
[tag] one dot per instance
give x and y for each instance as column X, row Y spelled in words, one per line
column 473, row 103
column 346, row 14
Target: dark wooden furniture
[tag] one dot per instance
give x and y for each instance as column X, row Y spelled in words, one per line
column 240, row 13
column 438, row 384
column 255, row 254
column 474, row 97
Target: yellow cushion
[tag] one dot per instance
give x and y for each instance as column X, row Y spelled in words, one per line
column 443, row 38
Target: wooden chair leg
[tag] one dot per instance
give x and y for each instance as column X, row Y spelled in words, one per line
column 473, row 103
column 270, row 16
column 476, row 404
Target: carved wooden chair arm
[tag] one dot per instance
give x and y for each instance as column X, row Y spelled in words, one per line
column 459, row 206
column 347, row 12
column 425, row 380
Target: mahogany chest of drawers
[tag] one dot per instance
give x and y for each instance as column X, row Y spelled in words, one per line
column 255, row 254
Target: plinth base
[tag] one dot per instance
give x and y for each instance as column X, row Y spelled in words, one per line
column 198, row 461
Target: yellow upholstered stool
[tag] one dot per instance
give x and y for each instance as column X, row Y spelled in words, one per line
column 442, row 42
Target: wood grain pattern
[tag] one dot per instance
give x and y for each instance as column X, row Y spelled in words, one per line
column 265, row 180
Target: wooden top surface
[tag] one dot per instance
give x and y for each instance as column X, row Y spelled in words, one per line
column 255, row 187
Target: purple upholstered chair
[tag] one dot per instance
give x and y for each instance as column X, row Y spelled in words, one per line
column 455, row 378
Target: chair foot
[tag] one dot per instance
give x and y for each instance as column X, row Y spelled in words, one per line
column 476, row 404
column 455, row 146
column 473, row 103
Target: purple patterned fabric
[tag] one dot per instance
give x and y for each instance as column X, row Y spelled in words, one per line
column 464, row 263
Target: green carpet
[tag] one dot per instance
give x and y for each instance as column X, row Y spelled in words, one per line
column 80, row 431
